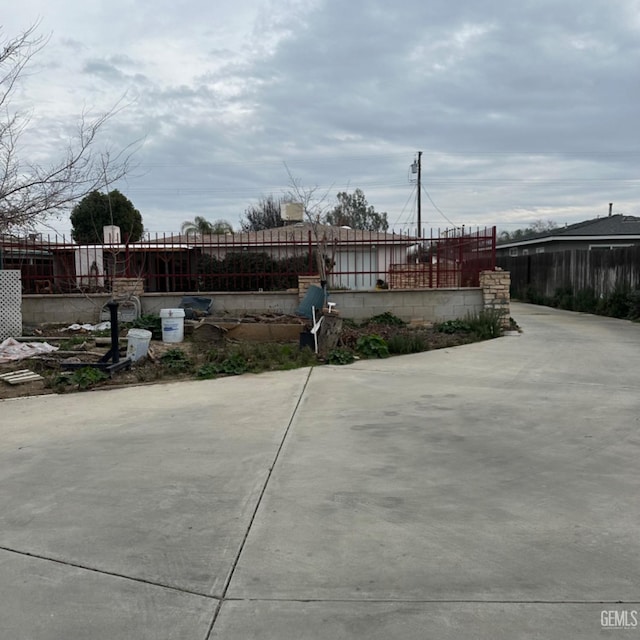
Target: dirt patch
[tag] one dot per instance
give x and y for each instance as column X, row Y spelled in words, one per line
column 189, row 359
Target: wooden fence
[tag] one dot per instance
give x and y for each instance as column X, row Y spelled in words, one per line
column 599, row 270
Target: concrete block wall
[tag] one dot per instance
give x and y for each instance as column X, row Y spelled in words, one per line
column 278, row 302
column 495, row 293
column 419, row 306
column 430, row 305
column 62, row 309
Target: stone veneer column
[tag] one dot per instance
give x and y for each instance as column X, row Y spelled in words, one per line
column 127, row 287
column 495, row 293
column 304, row 282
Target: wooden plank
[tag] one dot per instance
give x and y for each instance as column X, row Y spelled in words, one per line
column 20, row 377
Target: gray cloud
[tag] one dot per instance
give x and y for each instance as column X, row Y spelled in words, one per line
column 524, row 110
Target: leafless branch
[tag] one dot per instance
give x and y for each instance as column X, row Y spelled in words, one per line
column 30, row 192
column 314, row 204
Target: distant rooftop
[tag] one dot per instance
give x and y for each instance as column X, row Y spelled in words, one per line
column 615, row 225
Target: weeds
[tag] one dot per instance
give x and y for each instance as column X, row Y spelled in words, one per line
column 234, row 365
column 385, row 318
column 486, row 324
column 452, row 326
column 256, row 358
column 340, row 356
column 150, row 323
column 372, row 346
column 82, row 379
column 176, row 361
column 407, row 343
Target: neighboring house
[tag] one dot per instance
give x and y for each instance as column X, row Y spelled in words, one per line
column 598, row 234
column 357, row 259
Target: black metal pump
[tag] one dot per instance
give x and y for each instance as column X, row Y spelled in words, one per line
column 110, row 361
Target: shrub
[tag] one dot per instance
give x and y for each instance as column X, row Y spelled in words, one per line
column 386, row 318
column 634, row 304
column 616, row 304
column 150, row 323
column 407, row 343
column 340, row 356
column 252, row 270
column 372, row 346
column 486, row 324
column 586, row 301
column 452, row 326
column 531, row 295
column 563, row 298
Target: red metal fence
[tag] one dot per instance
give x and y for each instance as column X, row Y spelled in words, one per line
column 452, row 259
column 268, row 260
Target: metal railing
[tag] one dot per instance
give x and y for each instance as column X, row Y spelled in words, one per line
column 268, row 260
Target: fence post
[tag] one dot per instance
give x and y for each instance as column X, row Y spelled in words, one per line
column 495, row 293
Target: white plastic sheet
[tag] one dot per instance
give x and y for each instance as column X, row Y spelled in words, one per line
column 101, row 326
column 12, row 350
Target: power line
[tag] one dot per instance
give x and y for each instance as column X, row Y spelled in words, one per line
column 435, row 206
column 398, row 221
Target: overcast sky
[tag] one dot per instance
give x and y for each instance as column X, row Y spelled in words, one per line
column 523, row 110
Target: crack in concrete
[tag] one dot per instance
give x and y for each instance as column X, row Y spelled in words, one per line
column 113, row 574
column 223, row 596
column 429, row 601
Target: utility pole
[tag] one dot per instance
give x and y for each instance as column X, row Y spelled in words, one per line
column 419, row 194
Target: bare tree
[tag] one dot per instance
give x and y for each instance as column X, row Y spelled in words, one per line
column 315, row 206
column 30, row 192
column 265, row 215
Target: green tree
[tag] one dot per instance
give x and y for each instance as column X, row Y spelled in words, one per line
column 265, row 215
column 98, row 210
column 202, row 227
column 537, row 227
column 354, row 211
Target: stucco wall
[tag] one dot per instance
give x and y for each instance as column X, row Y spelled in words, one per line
column 424, row 306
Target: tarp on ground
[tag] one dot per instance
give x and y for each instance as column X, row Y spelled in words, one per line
column 12, row 350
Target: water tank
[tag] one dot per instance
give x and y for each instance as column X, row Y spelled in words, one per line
column 292, row 211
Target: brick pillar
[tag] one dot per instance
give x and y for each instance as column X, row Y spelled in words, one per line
column 304, row 282
column 127, row 287
column 495, row 293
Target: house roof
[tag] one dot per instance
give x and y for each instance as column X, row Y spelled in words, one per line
column 300, row 233
column 617, row 226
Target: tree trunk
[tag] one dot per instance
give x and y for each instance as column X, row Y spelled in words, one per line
column 329, row 334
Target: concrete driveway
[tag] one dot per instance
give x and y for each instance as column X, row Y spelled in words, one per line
column 486, row 491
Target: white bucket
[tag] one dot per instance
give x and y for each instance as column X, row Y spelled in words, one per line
column 138, row 343
column 172, row 325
